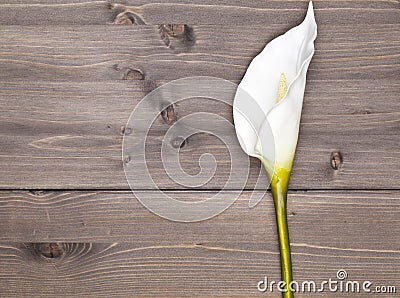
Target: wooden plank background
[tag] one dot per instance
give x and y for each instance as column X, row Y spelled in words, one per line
column 72, row 71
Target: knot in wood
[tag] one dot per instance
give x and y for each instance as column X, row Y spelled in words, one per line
column 178, row 142
column 128, row 18
column 175, row 30
column 168, row 114
column 179, row 37
column 134, row 74
column 336, row 160
column 50, row 250
column 126, row 130
column 127, row 159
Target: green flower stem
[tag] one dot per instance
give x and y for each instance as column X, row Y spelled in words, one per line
column 279, row 187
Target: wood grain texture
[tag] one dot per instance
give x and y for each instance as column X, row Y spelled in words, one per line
column 319, row 217
column 124, row 270
column 57, row 87
column 107, row 53
column 149, row 256
column 72, row 71
column 16, row 12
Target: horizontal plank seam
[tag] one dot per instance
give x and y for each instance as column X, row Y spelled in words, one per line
column 196, row 190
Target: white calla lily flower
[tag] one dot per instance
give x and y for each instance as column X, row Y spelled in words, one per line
column 276, row 80
column 267, row 110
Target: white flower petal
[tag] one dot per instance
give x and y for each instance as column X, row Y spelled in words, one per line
column 290, row 54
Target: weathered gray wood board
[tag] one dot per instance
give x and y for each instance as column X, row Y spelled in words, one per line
column 125, row 250
column 196, row 12
column 106, row 52
column 319, row 218
column 72, row 71
column 62, row 129
column 124, row 270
